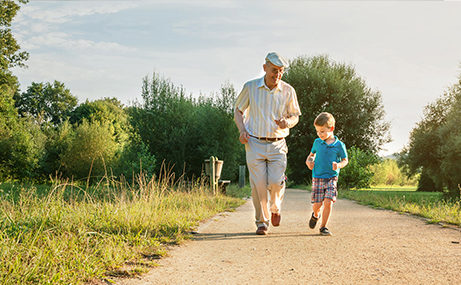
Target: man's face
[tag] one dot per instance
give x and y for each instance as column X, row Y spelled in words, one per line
column 273, row 74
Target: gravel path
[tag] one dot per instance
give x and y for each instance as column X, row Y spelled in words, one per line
column 368, row 246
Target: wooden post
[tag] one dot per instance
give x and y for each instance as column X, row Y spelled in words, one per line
column 213, row 181
column 242, row 170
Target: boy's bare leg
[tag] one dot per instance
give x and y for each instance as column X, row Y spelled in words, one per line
column 316, row 208
column 327, row 208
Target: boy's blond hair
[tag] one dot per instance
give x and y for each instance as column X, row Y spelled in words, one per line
column 325, row 119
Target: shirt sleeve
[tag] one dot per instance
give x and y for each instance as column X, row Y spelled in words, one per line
column 243, row 99
column 293, row 105
column 343, row 151
column 314, row 147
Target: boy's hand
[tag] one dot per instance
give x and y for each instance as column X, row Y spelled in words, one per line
column 310, row 162
column 335, row 165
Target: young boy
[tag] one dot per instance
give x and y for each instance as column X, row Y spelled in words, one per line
column 328, row 155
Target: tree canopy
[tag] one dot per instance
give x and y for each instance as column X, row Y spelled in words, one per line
column 434, row 147
column 323, row 85
column 46, row 102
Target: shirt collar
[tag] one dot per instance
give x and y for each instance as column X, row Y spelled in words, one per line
column 262, row 84
column 336, row 140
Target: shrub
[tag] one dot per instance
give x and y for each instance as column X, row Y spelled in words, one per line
column 357, row 174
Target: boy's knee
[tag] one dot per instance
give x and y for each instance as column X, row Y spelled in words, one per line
column 327, row 202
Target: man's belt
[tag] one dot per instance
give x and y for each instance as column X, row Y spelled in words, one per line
column 268, row 139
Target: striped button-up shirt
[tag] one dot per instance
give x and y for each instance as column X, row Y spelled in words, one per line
column 261, row 107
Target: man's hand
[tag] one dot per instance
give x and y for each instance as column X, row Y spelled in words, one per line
column 282, row 123
column 244, row 137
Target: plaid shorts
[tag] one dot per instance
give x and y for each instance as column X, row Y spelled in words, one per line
column 324, row 188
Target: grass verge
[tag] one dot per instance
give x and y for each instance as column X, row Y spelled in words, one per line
column 68, row 235
column 429, row 205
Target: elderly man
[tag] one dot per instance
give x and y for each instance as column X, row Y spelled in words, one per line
column 265, row 110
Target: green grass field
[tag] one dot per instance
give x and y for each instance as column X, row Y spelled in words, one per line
column 405, row 199
column 64, row 234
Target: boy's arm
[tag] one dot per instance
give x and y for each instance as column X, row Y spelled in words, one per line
column 310, row 161
column 339, row 165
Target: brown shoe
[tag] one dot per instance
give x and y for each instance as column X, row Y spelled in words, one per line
column 275, row 219
column 262, row 230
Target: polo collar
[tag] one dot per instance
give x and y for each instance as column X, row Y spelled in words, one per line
column 325, row 143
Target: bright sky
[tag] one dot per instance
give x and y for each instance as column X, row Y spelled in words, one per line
column 408, row 50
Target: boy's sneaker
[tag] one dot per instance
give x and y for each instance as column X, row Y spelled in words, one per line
column 313, row 221
column 326, row 232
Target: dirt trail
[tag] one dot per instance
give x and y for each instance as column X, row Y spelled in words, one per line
column 368, row 246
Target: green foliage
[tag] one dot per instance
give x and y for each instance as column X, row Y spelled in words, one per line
column 46, row 102
column 218, row 133
column 107, row 110
column 426, row 183
column 184, row 131
column 136, row 160
column 69, row 235
column 92, row 151
column 21, row 142
column 27, row 149
column 57, row 143
column 357, row 174
column 10, row 56
column 387, row 172
column 435, row 144
column 427, row 205
column 323, row 85
column 8, row 122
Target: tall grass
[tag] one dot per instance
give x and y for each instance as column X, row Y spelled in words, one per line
column 67, row 234
column 429, row 205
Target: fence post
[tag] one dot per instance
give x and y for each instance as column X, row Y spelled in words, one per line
column 242, row 171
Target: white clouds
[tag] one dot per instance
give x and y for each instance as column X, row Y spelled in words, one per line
column 40, row 26
column 64, row 41
column 58, row 13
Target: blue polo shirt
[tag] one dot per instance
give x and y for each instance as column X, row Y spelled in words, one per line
column 325, row 154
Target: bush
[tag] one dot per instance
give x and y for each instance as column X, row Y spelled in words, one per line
column 136, row 160
column 92, row 149
column 387, row 172
column 357, row 174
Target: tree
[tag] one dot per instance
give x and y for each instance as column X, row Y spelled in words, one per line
column 10, row 56
column 183, row 131
column 46, row 102
column 58, row 141
column 434, row 147
column 323, row 85
column 107, row 110
column 219, row 137
column 91, row 151
column 10, row 127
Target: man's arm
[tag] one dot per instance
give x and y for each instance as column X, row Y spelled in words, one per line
column 289, row 122
column 238, row 117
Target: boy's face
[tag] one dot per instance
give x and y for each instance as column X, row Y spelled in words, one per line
column 324, row 132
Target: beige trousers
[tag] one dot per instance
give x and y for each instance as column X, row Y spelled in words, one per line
column 266, row 162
